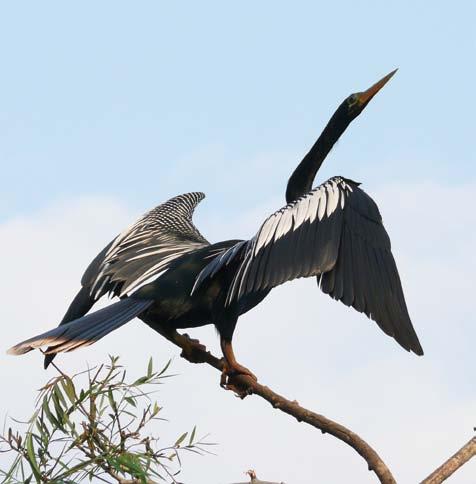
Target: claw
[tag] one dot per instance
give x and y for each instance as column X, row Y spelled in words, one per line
column 228, row 379
column 236, row 369
column 193, row 351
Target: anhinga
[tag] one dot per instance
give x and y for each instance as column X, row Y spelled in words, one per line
column 167, row 274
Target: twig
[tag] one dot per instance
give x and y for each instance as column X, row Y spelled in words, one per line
column 452, row 464
column 255, row 480
column 244, row 385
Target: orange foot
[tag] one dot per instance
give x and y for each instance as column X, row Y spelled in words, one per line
column 193, row 350
column 228, row 379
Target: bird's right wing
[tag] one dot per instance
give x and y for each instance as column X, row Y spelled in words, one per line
column 146, row 248
column 334, row 232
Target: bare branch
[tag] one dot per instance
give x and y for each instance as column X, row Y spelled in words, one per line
column 452, row 464
column 243, row 386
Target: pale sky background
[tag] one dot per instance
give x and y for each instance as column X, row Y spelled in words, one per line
column 108, row 108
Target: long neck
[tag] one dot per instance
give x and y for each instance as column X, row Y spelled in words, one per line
column 303, row 176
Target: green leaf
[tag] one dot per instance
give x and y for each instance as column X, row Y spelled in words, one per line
column 31, row 457
column 180, row 439
column 165, row 368
column 59, row 395
column 112, row 402
column 149, row 368
column 49, row 414
column 155, row 410
column 192, row 436
column 69, row 389
column 133, row 415
column 131, row 401
column 140, row 381
column 60, row 415
column 69, row 471
column 44, row 433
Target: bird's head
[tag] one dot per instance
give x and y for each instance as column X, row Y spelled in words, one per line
column 302, row 178
column 355, row 103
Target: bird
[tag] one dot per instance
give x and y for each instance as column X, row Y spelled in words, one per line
column 168, row 275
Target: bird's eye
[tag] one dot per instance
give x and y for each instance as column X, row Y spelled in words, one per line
column 352, row 99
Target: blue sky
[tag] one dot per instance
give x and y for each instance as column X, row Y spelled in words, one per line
column 108, row 108
column 117, row 98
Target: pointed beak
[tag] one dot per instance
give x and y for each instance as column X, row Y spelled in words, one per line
column 366, row 96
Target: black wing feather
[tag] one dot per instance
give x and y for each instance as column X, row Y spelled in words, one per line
column 334, row 232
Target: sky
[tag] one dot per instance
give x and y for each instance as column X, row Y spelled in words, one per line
column 109, row 108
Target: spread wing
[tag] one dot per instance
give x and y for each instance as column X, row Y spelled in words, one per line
column 334, row 232
column 146, row 248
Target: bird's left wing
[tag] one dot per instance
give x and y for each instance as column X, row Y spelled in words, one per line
column 334, row 232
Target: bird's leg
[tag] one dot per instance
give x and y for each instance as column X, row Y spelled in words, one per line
column 232, row 367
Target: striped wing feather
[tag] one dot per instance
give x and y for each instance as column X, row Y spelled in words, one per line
column 146, row 248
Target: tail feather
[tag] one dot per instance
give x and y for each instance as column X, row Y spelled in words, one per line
column 85, row 330
column 80, row 305
column 94, row 333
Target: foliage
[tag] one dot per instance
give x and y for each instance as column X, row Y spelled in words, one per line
column 95, row 432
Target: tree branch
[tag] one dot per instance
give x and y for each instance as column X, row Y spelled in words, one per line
column 452, row 464
column 243, row 386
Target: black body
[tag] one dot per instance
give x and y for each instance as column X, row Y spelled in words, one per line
column 176, row 307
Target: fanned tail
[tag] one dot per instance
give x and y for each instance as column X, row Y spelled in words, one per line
column 85, row 330
column 80, row 305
